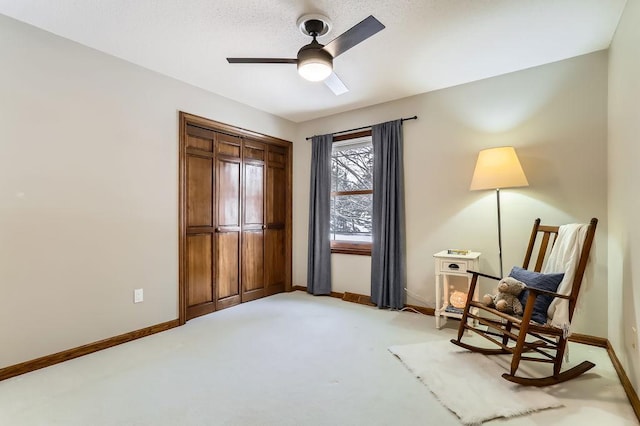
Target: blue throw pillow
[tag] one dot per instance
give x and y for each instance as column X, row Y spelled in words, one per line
column 549, row 282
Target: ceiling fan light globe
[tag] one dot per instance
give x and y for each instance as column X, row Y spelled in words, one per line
column 315, row 71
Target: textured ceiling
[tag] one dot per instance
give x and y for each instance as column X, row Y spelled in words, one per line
column 427, row 44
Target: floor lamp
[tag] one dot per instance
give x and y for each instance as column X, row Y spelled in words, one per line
column 498, row 168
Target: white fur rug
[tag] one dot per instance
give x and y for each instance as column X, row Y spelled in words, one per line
column 470, row 384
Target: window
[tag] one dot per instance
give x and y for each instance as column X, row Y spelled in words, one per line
column 352, row 194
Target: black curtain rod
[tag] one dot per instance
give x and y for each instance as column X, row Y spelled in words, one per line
column 365, row 127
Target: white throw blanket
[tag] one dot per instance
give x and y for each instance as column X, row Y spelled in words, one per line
column 564, row 257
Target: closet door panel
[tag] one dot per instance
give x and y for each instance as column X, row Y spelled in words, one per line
column 199, row 191
column 254, row 194
column 275, row 257
column 199, row 277
column 276, row 201
column 228, row 192
column 199, row 139
column 227, row 277
column 253, row 264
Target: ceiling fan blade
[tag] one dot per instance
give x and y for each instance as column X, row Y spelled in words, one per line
column 261, row 61
column 336, row 85
column 356, row 34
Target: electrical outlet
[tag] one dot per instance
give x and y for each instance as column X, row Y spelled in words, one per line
column 138, row 295
column 634, row 338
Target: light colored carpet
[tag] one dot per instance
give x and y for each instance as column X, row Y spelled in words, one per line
column 470, row 384
column 285, row 360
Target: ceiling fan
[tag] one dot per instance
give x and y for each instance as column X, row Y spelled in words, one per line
column 314, row 60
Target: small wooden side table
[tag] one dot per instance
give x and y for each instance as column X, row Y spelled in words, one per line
column 446, row 265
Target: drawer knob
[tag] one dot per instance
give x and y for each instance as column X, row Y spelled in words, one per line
column 454, row 266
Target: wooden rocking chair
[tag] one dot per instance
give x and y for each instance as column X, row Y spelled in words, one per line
column 517, row 335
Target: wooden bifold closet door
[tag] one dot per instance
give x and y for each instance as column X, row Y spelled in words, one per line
column 276, row 221
column 228, row 164
column 235, row 216
column 253, row 226
column 200, row 230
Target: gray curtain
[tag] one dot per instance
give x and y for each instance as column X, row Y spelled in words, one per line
column 319, row 261
column 388, row 259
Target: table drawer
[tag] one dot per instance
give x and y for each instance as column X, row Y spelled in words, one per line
column 453, row 267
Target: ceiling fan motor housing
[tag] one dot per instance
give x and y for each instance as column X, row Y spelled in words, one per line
column 314, row 56
column 313, row 52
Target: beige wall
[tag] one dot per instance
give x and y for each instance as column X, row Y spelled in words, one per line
column 555, row 115
column 88, row 187
column 624, row 202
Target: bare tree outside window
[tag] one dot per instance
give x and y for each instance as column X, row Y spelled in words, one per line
column 352, row 191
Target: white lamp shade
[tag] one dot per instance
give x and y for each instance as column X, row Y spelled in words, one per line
column 498, row 168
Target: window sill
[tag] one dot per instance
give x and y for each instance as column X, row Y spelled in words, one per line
column 361, row 249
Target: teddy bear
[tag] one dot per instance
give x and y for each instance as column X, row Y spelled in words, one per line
column 506, row 300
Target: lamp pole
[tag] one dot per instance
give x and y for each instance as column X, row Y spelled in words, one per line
column 499, row 232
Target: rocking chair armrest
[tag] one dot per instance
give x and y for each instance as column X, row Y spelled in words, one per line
column 539, row 291
column 483, row 275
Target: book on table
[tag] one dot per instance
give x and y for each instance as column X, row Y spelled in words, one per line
column 453, row 310
column 458, row 251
